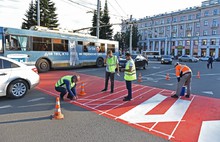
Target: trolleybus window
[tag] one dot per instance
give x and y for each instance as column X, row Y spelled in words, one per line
column 111, row 47
column 18, row 43
column 42, row 44
column 102, row 48
column 60, row 45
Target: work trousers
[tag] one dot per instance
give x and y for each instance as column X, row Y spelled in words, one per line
column 63, row 91
column 112, row 78
column 184, row 80
column 129, row 88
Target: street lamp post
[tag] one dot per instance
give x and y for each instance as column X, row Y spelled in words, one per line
column 38, row 12
column 98, row 17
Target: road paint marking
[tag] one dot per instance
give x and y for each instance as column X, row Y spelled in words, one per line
column 210, row 131
column 37, row 99
column 208, row 92
column 7, row 106
column 139, row 113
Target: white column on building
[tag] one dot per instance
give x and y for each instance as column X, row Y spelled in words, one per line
column 191, row 47
column 176, row 50
column 165, row 47
column 217, row 48
column 169, row 47
column 184, row 50
column 208, row 47
column 159, row 47
column 148, row 44
column 153, row 47
column 199, row 47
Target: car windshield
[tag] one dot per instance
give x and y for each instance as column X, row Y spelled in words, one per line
column 133, row 56
column 166, row 56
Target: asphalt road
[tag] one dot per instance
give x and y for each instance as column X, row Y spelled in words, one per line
column 28, row 119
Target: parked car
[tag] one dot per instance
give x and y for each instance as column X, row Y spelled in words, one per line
column 187, row 58
column 205, row 58
column 217, row 59
column 140, row 61
column 166, row 59
column 16, row 78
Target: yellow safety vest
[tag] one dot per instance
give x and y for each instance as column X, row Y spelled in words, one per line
column 130, row 76
column 112, row 63
column 61, row 82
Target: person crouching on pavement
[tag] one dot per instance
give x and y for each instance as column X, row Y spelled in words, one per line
column 184, row 77
column 111, row 64
column 67, row 84
column 129, row 75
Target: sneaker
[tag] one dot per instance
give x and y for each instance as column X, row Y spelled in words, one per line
column 174, row 96
column 103, row 90
column 126, row 99
column 187, row 96
column 70, row 97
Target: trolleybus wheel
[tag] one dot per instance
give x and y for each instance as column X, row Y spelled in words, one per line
column 43, row 65
column 99, row 62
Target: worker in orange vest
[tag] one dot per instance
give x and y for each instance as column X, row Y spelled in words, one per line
column 184, row 77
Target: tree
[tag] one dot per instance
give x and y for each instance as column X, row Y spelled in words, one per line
column 105, row 30
column 124, row 38
column 48, row 17
column 94, row 24
column 31, row 17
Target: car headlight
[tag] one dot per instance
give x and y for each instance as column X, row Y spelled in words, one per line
column 162, row 59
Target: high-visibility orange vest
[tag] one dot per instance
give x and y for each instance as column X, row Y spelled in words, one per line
column 182, row 69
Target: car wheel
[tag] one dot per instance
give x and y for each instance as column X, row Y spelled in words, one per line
column 100, row 62
column 17, row 89
column 43, row 65
column 190, row 60
column 145, row 65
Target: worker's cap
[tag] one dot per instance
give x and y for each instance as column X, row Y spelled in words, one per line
column 76, row 77
column 177, row 63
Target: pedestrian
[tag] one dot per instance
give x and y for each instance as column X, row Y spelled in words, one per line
column 129, row 75
column 112, row 63
column 184, row 77
column 210, row 61
column 66, row 84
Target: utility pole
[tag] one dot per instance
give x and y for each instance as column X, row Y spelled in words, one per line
column 131, row 25
column 98, row 18
column 38, row 12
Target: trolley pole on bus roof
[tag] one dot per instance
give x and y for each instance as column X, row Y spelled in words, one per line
column 38, row 12
column 98, row 18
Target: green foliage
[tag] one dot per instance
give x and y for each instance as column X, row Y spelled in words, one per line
column 106, row 30
column 48, row 17
column 124, row 38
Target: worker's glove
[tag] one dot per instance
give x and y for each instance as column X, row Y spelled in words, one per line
column 178, row 79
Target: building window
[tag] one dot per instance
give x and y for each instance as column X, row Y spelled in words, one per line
column 196, row 42
column 181, row 27
column 162, row 21
column 168, row 28
column 205, row 33
column 215, row 12
column 168, row 20
column 189, row 17
column 181, row 34
column 187, row 42
column 182, row 18
column 204, row 42
column 188, row 34
column 197, row 15
column 206, row 13
column 174, row 20
column 197, row 33
column 205, row 23
column 180, row 42
column 173, row 43
column 214, row 32
column 213, row 42
column 197, row 25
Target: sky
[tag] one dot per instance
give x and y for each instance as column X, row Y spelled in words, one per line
column 76, row 14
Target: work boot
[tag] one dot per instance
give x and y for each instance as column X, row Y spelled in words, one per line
column 112, row 92
column 187, row 96
column 126, row 99
column 175, row 96
column 70, row 97
column 103, row 90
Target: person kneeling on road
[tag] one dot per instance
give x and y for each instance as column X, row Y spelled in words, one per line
column 184, row 77
column 67, row 84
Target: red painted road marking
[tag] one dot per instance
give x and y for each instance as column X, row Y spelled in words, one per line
column 185, row 128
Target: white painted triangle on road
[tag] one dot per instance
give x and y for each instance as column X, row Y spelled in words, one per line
column 208, row 92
